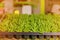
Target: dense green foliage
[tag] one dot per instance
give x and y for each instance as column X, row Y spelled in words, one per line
column 30, row 23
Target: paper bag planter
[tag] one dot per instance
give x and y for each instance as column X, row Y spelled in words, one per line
column 26, row 9
column 56, row 9
column 1, row 10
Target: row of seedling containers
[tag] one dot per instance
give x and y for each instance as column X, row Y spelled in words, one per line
column 29, row 36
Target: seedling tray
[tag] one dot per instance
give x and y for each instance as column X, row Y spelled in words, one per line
column 29, row 36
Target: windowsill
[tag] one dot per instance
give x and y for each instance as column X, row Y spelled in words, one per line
column 23, row 3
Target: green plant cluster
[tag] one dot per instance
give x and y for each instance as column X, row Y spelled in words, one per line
column 31, row 23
